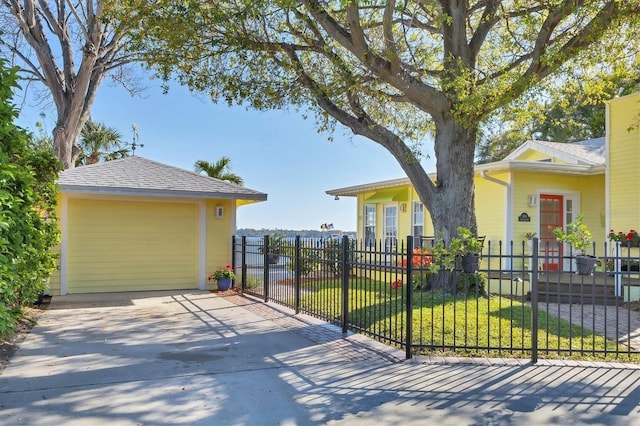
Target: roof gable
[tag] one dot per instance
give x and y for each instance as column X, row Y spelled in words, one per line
column 588, row 152
column 583, row 157
column 140, row 176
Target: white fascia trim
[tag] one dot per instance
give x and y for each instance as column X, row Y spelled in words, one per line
column 534, row 166
column 202, row 260
column 353, row 191
column 607, row 170
column 161, row 193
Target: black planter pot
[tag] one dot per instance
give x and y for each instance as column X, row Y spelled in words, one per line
column 586, row 264
column 632, row 268
column 470, row 263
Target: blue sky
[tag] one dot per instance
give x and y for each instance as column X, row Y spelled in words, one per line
column 275, row 152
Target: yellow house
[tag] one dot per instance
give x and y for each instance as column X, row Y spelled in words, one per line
column 623, row 154
column 135, row 224
column 538, row 187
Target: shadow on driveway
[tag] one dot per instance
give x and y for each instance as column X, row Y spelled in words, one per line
column 195, row 358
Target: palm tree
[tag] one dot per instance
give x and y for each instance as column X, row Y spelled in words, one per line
column 100, row 143
column 221, row 169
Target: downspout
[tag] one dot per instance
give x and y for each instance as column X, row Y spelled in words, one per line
column 607, row 168
column 508, row 229
column 607, row 192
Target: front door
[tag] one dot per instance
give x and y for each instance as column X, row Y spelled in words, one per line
column 551, row 215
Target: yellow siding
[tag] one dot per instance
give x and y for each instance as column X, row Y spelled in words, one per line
column 590, row 189
column 491, row 206
column 218, row 250
column 54, row 279
column 118, row 245
column 624, row 161
column 532, row 155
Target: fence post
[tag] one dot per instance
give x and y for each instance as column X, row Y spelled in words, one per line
column 409, row 306
column 345, row 283
column 244, row 263
column 296, row 288
column 233, row 258
column 534, row 301
column 265, row 250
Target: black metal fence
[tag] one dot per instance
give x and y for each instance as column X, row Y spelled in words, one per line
column 519, row 302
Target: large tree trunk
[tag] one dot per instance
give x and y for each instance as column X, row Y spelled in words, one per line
column 65, row 136
column 83, row 36
column 452, row 204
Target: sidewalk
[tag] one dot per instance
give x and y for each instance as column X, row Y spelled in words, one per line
column 194, row 358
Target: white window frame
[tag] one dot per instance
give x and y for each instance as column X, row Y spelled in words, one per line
column 417, row 221
column 390, row 230
column 370, row 243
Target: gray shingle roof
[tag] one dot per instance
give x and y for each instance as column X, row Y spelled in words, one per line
column 591, row 151
column 140, row 176
column 587, row 152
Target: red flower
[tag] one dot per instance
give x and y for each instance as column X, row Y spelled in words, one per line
column 396, row 284
column 421, row 258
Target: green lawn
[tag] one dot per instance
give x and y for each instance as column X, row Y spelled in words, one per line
column 470, row 325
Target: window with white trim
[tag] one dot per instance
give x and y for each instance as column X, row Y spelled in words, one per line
column 370, row 225
column 417, row 222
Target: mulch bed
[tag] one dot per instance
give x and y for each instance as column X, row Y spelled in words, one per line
column 633, row 306
column 231, row 292
column 10, row 344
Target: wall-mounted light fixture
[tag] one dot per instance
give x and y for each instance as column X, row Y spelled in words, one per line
column 403, row 207
column 219, row 212
column 532, row 200
column 336, row 198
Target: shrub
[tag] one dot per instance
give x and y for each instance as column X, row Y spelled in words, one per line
column 309, row 260
column 28, row 227
column 334, row 257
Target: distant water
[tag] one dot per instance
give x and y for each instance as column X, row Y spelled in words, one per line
column 255, row 258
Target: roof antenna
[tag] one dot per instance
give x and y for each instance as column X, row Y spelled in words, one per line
column 135, row 143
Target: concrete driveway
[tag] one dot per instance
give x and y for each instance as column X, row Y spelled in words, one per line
column 194, row 358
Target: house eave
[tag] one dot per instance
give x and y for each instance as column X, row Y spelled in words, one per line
column 353, row 191
column 541, row 167
column 77, row 189
column 507, row 166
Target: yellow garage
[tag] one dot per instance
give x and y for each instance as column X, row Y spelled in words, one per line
column 136, row 225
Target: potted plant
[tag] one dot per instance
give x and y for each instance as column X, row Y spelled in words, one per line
column 578, row 236
column 223, row 276
column 629, row 239
column 469, row 248
column 277, row 244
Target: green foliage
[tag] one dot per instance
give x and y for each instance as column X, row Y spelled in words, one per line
column 577, row 235
column 309, row 261
column 446, row 257
column 370, row 67
column 334, row 256
column 278, row 245
column 221, row 169
column 99, row 142
column 27, row 217
column 568, row 110
column 472, row 284
column 443, row 321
